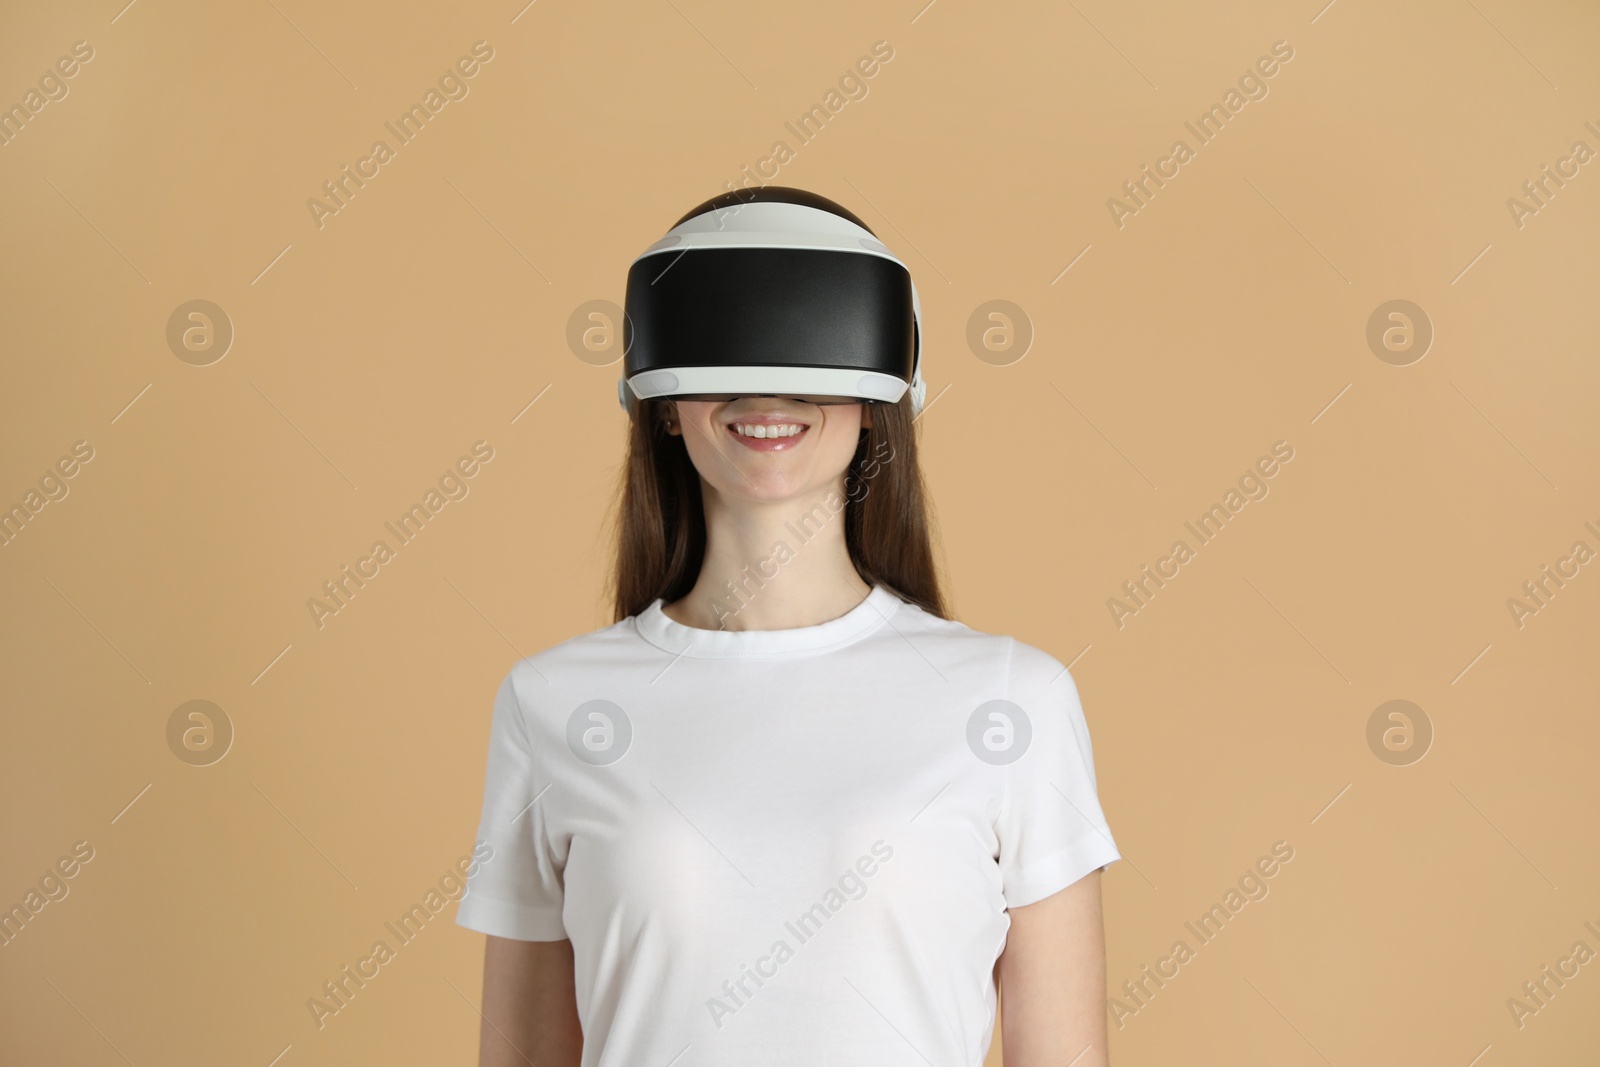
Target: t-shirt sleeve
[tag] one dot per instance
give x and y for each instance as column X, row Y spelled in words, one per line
column 1051, row 829
column 517, row 891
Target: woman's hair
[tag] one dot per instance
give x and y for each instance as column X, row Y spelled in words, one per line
column 661, row 528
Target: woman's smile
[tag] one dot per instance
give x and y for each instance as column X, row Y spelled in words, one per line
column 773, row 433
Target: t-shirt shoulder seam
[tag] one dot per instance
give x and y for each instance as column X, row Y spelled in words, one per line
column 1035, row 660
column 1005, row 787
column 522, row 710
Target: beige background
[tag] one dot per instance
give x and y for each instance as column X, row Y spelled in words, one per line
column 1228, row 314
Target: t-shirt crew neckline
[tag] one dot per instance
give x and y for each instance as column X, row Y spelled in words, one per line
column 665, row 633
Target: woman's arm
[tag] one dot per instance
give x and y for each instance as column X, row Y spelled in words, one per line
column 1053, row 981
column 530, row 1008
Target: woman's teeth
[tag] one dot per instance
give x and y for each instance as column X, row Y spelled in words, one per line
column 759, row 429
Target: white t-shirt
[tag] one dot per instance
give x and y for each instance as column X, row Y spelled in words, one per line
column 784, row 847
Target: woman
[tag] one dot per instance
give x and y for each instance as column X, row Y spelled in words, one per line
column 783, row 810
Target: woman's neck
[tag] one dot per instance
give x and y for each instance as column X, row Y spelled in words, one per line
column 772, row 566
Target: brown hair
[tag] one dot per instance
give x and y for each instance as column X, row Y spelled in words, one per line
column 661, row 528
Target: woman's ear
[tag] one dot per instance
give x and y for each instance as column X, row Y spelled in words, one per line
column 669, row 415
column 866, row 416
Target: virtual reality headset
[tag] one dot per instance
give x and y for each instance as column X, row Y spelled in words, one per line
column 771, row 292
